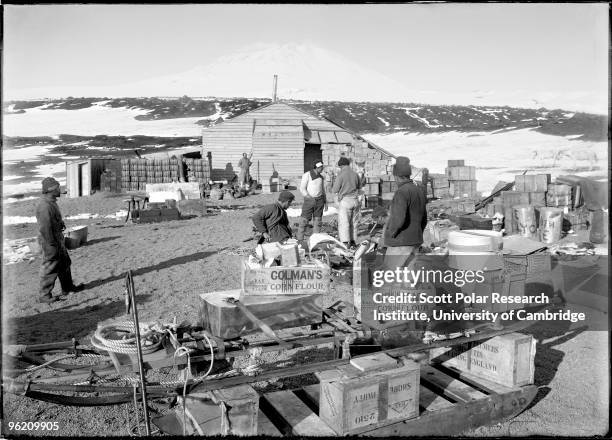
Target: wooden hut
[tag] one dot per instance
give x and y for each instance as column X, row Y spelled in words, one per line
column 287, row 141
column 83, row 176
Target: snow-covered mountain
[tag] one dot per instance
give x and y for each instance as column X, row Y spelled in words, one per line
column 307, row 72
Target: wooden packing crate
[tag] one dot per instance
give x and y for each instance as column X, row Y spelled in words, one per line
column 147, row 215
column 531, row 182
column 525, row 264
column 537, row 198
column 459, row 188
column 510, row 223
column 456, row 163
column 310, row 279
column 351, row 400
column 461, row 173
column 439, row 180
column 513, row 198
column 192, row 207
column 168, row 214
column 557, row 200
column 372, row 189
column 474, row 221
column 372, row 201
column 507, row 359
column 441, row 193
column 227, row 411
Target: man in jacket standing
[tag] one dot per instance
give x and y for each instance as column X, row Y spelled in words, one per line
column 315, row 201
column 347, row 187
column 407, row 217
column 55, row 259
column 244, row 177
column 271, row 220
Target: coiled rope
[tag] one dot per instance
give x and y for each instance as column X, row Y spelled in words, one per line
column 109, row 338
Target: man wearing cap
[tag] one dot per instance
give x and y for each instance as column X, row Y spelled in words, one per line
column 315, row 202
column 55, row 260
column 271, row 220
column 347, row 187
column 244, row 177
column 407, row 219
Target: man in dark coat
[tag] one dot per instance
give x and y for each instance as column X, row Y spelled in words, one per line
column 271, row 220
column 55, row 260
column 407, row 220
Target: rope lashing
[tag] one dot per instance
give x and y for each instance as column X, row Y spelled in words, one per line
column 119, row 338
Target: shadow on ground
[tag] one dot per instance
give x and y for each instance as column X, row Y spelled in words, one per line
column 159, row 266
column 64, row 323
column 100, row 240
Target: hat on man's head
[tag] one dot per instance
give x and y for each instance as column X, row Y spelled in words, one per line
column 318, row 164
column 49, row 184
column 344, row 161
column 402, row 167
column 285, row 196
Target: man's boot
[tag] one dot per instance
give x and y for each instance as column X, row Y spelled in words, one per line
column 301, row 229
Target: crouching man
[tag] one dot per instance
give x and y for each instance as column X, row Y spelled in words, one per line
column 272, row 221
column 55, row 259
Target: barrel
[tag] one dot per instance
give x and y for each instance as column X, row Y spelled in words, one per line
column 551, row 221
column 525, row 219
column 599, row 226
column 474, row 250
column 496, row 237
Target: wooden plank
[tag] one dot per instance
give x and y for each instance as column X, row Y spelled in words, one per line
column 431, row 401
column 452, row 388
column 456, row 419
column 295, row 412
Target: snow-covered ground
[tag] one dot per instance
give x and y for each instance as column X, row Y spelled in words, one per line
column 499, row 156
column 95, row 120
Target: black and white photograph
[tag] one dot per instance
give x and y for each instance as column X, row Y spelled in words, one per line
column 313, row 220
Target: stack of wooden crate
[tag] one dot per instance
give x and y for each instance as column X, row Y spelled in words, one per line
column 388, row 185
column 528, row 190
column 461, row 178
column 440, row 186
column 198, row 170
column 534, row 184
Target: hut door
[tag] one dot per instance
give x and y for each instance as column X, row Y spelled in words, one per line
column 84, row 188
column 312, row 154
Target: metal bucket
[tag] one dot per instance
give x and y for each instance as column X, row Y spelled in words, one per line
column 525, row 219
column 551, row 222
column 75, row 236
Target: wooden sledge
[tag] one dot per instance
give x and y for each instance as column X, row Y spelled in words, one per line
column 450, row 404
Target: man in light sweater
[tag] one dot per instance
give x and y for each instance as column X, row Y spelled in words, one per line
column 315, row 201
column 347, row 187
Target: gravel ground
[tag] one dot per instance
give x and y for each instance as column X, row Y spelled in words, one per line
column 174, row 262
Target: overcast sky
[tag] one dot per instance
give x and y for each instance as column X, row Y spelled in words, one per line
column 431, row 46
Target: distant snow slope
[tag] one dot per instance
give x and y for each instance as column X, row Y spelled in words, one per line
column 93, row 121
column 499, row 156
column 307, row 72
